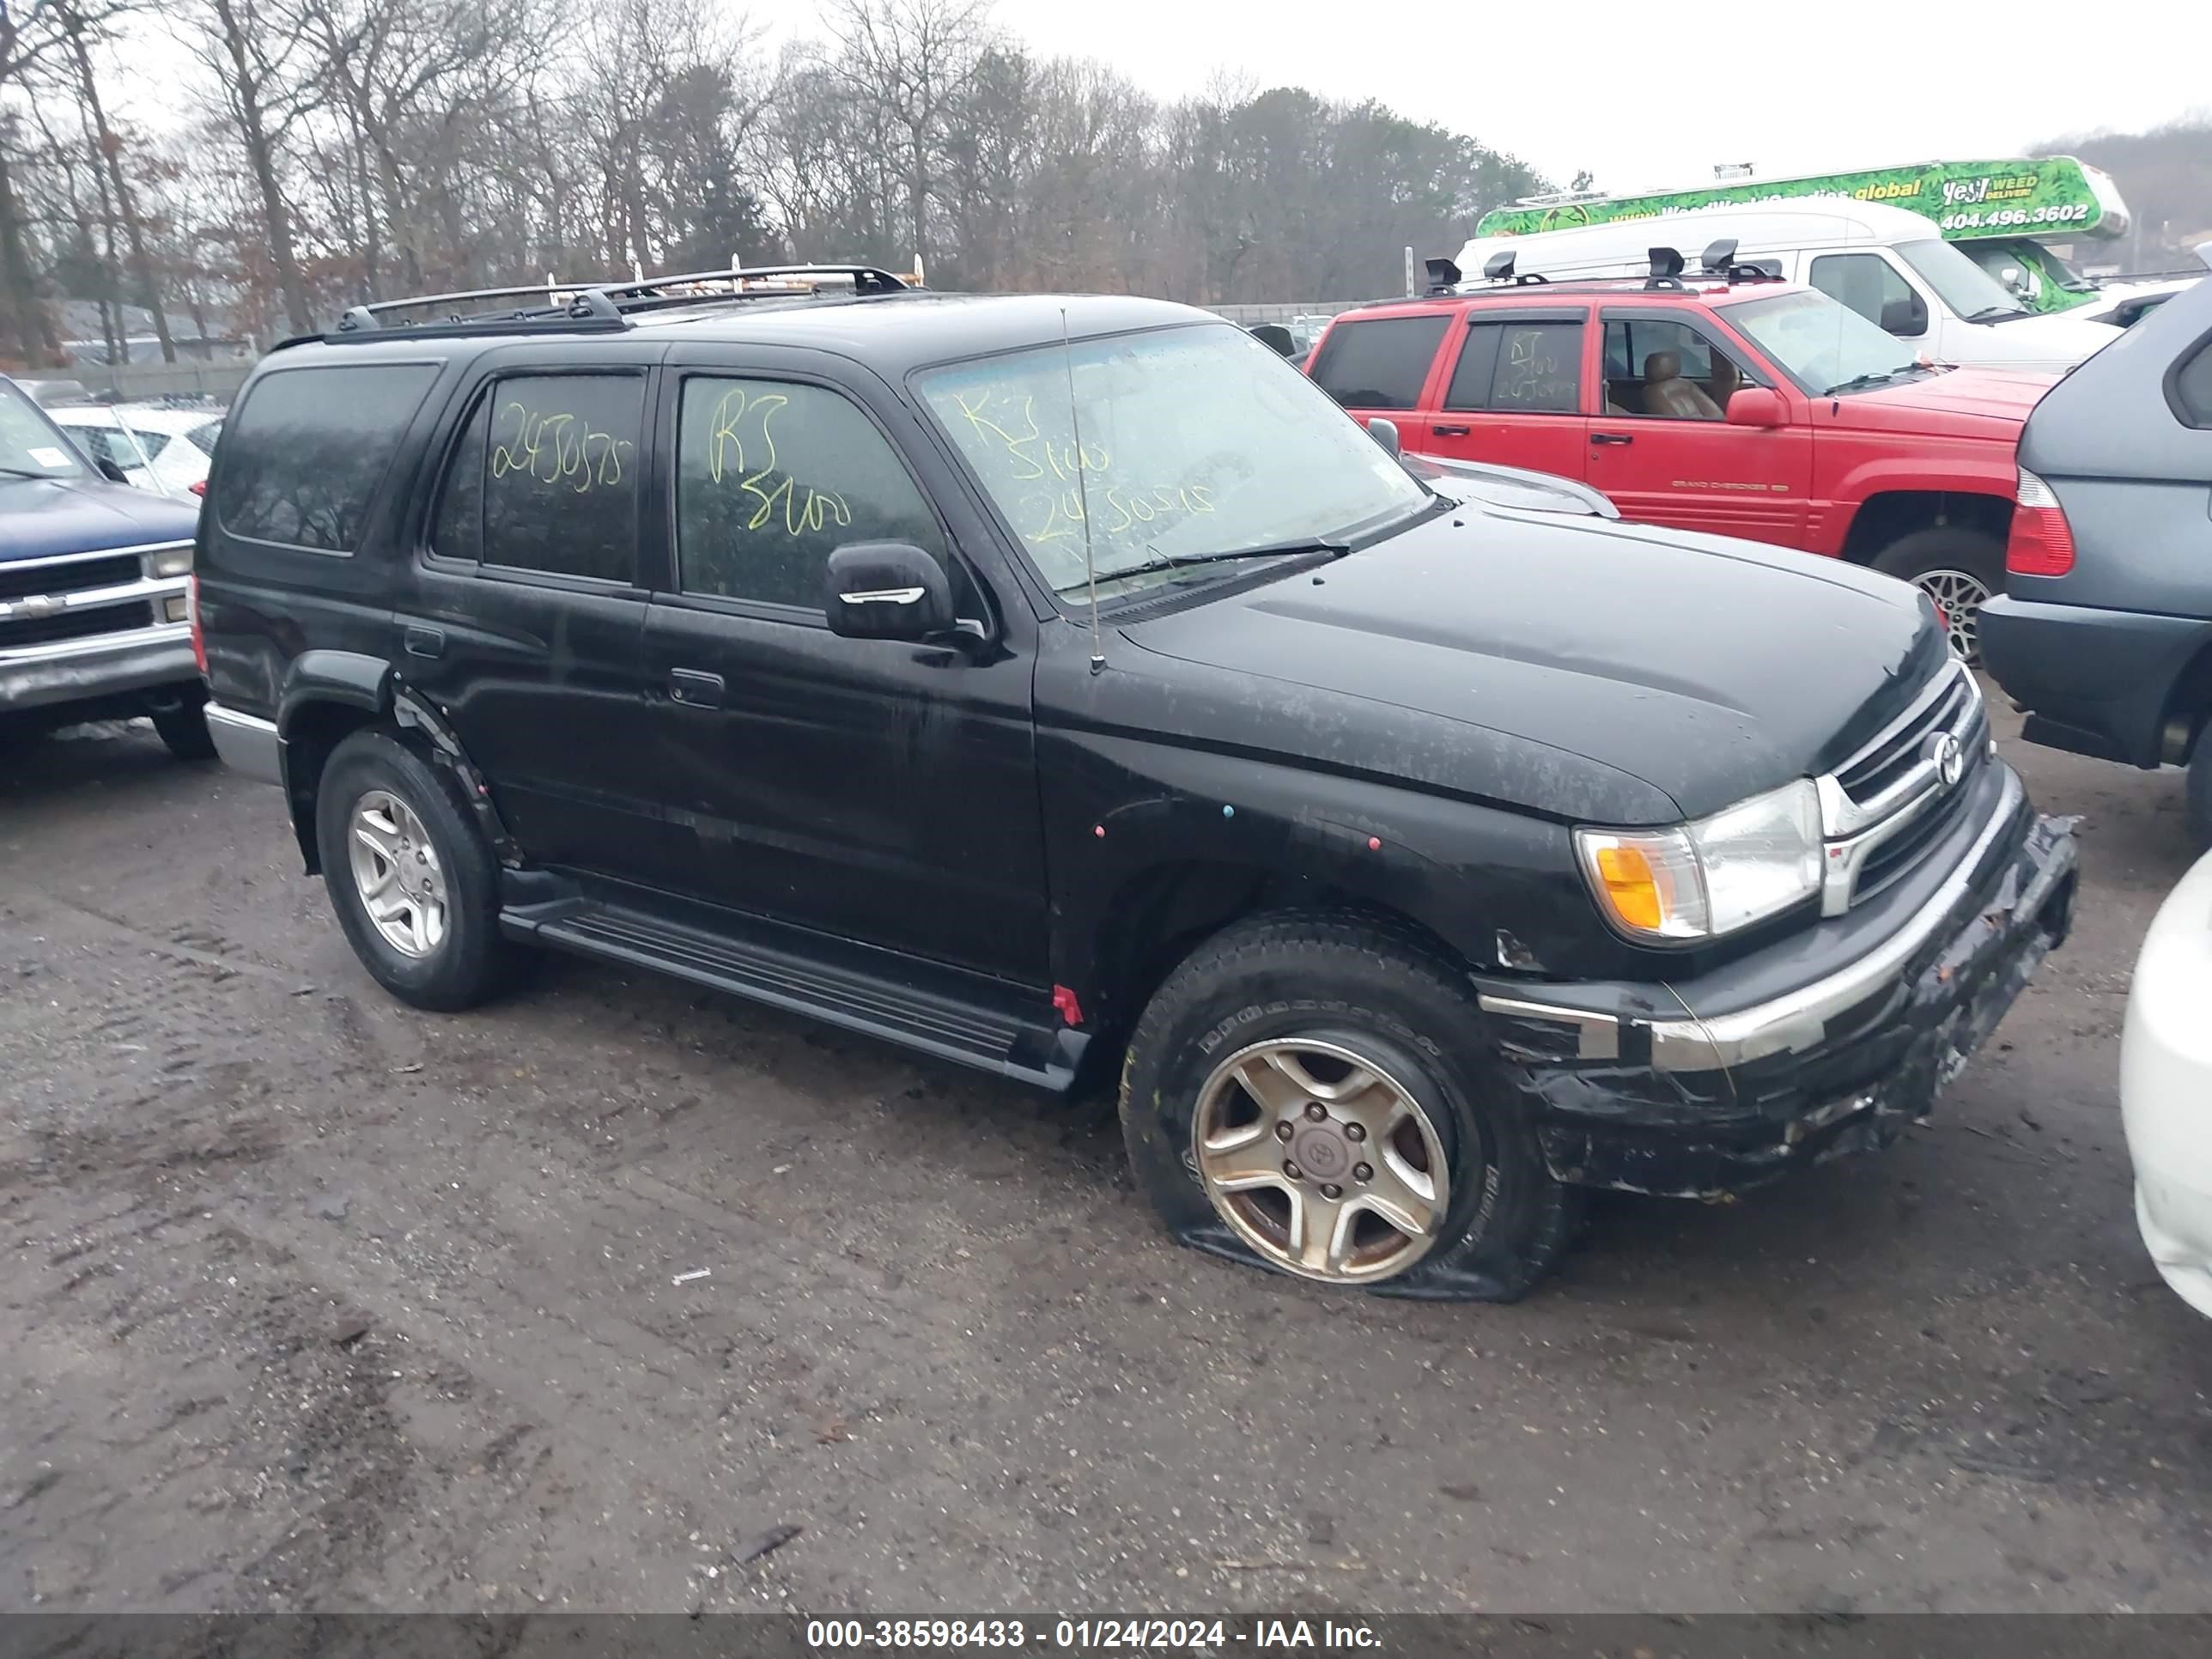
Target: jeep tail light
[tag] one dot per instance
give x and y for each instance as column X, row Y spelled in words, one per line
column 2041, row 542
column 199, row 639
column 199, row 489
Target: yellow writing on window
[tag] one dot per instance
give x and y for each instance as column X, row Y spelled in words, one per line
column 1032, row 453
column 800, row 508
column 556, row 448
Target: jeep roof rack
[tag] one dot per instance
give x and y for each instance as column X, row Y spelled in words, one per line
column 595, row 305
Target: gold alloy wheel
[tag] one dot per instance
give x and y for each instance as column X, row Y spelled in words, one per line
column 1322, row 1161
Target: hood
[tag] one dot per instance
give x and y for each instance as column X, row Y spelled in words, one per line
column 41, row 518
column 1997, row 401
column 2051, row 342
column 1709, row 669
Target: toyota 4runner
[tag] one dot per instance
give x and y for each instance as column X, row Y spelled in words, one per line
column 1066, row 687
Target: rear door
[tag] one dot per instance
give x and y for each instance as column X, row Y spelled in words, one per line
column 525, row 622
column 1513, row 390
column 1676, row 461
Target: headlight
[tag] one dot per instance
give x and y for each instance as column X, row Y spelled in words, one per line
column 170, row 562
column 1700, row 880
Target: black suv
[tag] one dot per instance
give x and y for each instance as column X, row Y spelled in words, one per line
column 1063, row 685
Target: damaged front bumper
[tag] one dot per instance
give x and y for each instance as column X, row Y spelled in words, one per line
column 1830, row 1041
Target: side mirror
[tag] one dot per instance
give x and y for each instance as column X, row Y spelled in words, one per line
column 1384, row 432
column 887, row 591
column 1756, row 405
column 111, row 472
column 1905, row 316
column 1276, row 337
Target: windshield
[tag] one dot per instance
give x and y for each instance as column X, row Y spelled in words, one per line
column 1961, row 283
column 1195, row 442
column 1823, row 345
column 29, row 446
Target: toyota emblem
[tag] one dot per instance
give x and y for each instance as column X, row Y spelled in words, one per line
column 1949, row 757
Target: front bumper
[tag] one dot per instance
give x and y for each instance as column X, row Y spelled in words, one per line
column 98, row 669
column 2166, row 1088
column 1830, row 1041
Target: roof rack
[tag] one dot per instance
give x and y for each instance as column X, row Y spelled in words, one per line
column 568, row 307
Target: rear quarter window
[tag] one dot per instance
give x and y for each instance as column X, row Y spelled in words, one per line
column 1382, row 362
column 304, row 454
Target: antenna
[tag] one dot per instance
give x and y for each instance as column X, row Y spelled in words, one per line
column 1083, row 495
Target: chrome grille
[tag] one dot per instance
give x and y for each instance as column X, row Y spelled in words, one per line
column 1886, row 806
column 48, row 603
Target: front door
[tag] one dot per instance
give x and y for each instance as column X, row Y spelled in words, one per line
column 527, row 617
column 1513, row 394
column 1665, row 451
column 879, row 790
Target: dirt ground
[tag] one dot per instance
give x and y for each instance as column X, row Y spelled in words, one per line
column 313, row 1301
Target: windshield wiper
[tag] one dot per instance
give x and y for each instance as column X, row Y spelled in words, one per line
column 1861, row 382
column 23, row 472
column 1998, row 314
column 1272, row 550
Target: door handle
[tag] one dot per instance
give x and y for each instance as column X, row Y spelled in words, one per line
column 1451, row 431
column 695, row 689
column 423, row 641
column 1611, row 438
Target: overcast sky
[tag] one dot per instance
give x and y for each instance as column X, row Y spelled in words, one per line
column 1654, row 93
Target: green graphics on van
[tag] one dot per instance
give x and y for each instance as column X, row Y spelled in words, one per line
column 2054, row 195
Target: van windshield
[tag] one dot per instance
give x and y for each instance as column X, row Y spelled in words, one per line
column 1824, row 346
column 1962, row 285
column 30, row 447
column 1195, row 443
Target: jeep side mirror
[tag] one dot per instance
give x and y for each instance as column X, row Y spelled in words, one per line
column 1905, row 316
column 111, row 472
column 887, row 591
column 1384, row 432
column 1756, row 405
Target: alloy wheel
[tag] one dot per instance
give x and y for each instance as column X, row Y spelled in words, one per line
column 396, row 873
column 1321, row 1160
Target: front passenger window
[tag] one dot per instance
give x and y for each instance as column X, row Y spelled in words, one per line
column 772, row 477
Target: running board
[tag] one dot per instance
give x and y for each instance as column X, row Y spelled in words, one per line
column 938, row 1010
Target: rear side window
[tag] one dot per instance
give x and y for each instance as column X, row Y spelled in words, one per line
column 1528, row 368
column 546, row 478
column 152, row 442
column 202, row 438
column 308, row 449
column 1380, row 363
column 772, row 477
column 2192, row 386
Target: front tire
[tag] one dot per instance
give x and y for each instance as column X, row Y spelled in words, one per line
column 1959, row 569
column 2196, row 809
column 1315, row 1094
column 184, row 730
column 412, row 879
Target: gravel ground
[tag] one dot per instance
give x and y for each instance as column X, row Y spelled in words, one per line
column 313, row 1301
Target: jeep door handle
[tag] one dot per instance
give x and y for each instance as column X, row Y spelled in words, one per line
column 694, row 688
column 1611, row 438
column 423, row 641
column 1451, row 431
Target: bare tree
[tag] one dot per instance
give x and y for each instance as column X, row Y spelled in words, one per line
column 78, row 23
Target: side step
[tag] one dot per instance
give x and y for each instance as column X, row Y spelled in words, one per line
column 939, row 1010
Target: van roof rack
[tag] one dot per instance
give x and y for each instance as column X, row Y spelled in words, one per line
column 592, row 306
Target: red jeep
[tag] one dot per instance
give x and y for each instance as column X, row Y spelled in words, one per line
column 1732, row 404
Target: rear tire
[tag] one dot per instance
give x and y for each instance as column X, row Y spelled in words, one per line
column 420, row 901
column 1347, row 1025
column 1959, row 569
column 184, row 729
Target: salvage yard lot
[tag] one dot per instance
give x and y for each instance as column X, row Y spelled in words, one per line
column 316, row 1301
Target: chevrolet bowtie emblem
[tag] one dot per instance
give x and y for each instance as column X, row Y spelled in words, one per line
column 38, row 606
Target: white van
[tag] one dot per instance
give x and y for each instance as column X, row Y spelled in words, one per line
column 1891, row 266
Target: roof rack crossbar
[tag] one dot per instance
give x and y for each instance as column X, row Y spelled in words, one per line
column 561, row 307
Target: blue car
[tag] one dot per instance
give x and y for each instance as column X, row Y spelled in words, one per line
column 95, row 606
